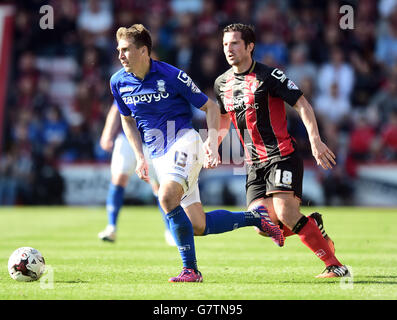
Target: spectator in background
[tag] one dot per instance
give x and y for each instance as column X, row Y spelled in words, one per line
column 386, row 143
column 161, row 35
column 87, row 103
column 23, row 32
column 361, row 142
column 184, row 6
column 269, row 18
column 299, row 36
column 321, row 47
column 299, row 67
column 78, row 144
column 207, row 20
column 270, row 44
column 385, row 100
column 26, row 131
column 385, row 7
column 90, row 69
column 238, row 10
column 95, row 22
column 338, row 71
column 338, row 188
column 8, row 181
column 208, row 71
column 363, row 37
column 48, row 183
column 333, row 109
column 63, row 39
column 21, row 157
column 55, row 128
column 181, row 55
column 366, row 79
column 386, row 44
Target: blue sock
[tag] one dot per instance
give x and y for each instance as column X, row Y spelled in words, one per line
column 114, row 202
column 219, row 221
column 166, row 222
column 182, row 230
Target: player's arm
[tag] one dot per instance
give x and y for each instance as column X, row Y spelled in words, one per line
column 323, row 155
column 134, row 138
column 224, row 126
column 211, row 144
column 225, row 120
column 111, row 128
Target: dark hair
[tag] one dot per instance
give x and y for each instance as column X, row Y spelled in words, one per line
column 247, row 32
column 138, row 34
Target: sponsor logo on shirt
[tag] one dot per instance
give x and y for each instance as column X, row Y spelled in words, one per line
column 145, row 98
column 239, row 104
column 182, row 76
column 278, row 74
column 126, row 89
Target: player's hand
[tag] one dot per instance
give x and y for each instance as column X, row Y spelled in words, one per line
column 142, row 170
column 211, row 156
column 106, row 144
column 323, row 155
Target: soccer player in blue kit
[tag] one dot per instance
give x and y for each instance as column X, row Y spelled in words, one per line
column 154, row 100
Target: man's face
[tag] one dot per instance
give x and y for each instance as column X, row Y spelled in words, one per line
column 129, row 55
column 234, row 48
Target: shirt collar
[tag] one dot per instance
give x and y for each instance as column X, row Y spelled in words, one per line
column 250, row 69
column 153, row 66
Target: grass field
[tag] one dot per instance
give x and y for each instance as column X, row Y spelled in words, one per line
column 235, row 265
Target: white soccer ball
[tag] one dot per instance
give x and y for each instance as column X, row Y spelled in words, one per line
column 26, row 264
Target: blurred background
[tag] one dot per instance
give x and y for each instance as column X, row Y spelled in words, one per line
column 55, row 95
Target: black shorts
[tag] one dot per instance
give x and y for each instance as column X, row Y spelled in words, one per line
column 278, row 175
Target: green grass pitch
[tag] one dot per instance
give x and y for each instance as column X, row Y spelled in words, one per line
column 235, row 265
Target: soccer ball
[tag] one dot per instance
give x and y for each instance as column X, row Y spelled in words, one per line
column 26, row 264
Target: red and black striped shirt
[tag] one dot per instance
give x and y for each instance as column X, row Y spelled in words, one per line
column 255, row 102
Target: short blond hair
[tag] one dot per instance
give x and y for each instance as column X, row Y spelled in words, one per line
column 138, row 34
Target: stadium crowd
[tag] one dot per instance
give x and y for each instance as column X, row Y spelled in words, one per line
column 58, row 92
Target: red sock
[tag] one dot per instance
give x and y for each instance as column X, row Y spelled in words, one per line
column 287, row 231
column 311, row 236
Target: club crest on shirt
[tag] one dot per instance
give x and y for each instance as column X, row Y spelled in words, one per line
column 254, row 85
column 161, row 85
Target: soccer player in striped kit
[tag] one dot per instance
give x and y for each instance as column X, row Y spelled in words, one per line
column 252, row 96
column 154, row 100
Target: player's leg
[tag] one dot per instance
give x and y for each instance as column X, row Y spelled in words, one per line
column 220, row 221
column 284, row 183
column 286, row 207
column 155, row 189
column 170, row 195
column 121, row 167
column 177, row 170
column 281, row 181
column 287, row 232
column 114, row 202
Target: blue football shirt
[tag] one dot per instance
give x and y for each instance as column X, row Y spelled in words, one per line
column 160, row 103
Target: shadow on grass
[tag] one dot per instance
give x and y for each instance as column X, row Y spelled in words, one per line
column 72, row 281
column 383, row 277
column 378, row 280
column 364, row 280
